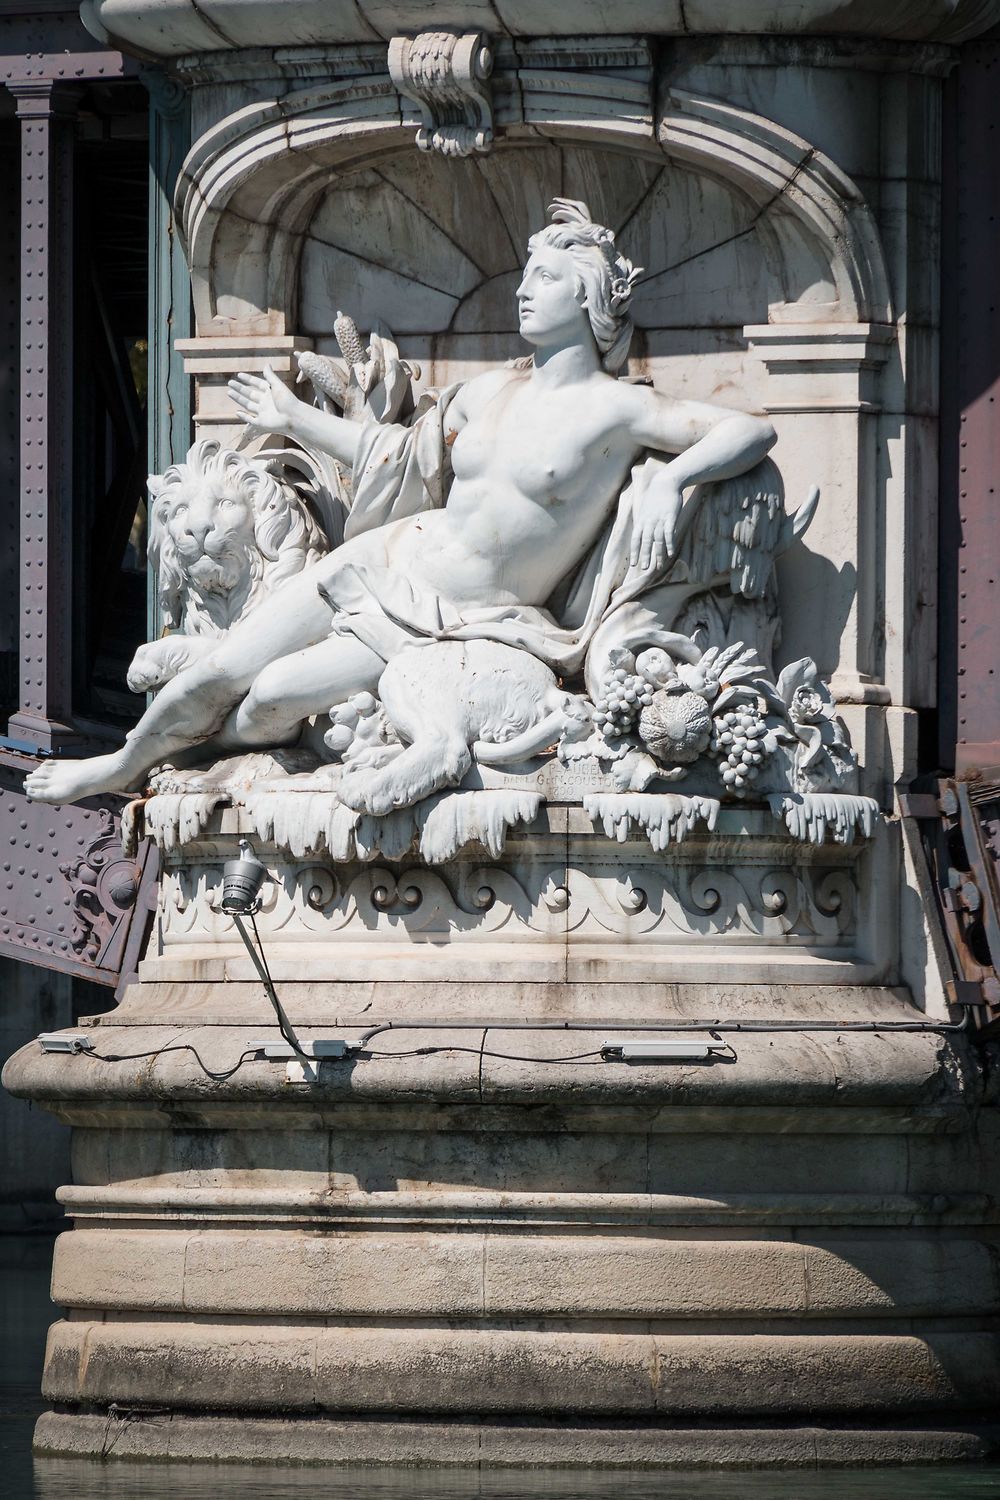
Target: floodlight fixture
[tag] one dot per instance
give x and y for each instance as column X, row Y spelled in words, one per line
column 65, row 1041
column 683, row 1050
column 241, row 882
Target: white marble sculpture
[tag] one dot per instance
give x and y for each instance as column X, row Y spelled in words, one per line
column 223, row 533
column 536, row 561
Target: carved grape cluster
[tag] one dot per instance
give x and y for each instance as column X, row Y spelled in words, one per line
column 738, row 743
column 624, row 697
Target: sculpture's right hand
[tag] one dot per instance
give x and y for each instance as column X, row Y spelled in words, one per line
column 264, row 401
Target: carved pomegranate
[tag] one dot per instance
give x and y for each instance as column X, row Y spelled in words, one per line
column 676, row 727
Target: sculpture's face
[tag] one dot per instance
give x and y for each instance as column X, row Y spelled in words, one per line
column 211, row 529
column 550, row 298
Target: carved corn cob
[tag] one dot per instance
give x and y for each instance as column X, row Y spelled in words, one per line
column 345, row 331
column 324, row 375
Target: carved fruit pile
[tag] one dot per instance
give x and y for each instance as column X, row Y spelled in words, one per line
column 625, row 696
column 738, row 744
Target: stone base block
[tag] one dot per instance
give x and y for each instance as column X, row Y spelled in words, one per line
column 184, row 1438
column 491, row 1245
column 590, row 1372
column 582, row 897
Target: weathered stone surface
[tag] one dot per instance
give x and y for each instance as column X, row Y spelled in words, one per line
column 318, row 1440
column 366, row 1367
column 918, row 1072
column 169, row 27
column 522, row 1274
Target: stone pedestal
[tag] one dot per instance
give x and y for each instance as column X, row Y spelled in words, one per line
column 476, row 1239
column 468, row 1247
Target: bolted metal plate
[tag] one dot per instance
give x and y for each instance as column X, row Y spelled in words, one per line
column 69, row 898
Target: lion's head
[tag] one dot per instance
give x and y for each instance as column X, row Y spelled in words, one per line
column 223, row 531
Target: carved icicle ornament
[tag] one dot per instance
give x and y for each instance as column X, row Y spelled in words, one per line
column 447, row 75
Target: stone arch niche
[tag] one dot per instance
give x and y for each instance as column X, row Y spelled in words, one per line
column 254, row 185
column 764, row 277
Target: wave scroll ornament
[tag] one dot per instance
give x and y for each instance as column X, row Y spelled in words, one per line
column 614, row 893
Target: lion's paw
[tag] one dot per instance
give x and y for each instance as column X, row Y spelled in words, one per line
column 149, row 669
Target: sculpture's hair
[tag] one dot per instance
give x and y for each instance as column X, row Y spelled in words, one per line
column 606, row 276
column 286, row 538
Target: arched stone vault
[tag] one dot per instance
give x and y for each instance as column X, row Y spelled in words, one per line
column 250, row 186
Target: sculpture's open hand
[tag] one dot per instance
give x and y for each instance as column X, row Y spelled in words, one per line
column 654, row 523
column 266, row 403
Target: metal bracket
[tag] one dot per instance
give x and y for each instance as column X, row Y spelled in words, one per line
column 918, row 805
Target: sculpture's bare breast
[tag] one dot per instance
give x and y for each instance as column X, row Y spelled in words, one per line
column 535, row 477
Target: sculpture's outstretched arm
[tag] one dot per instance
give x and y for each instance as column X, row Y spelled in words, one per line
column 270, row 406
column 709, row 443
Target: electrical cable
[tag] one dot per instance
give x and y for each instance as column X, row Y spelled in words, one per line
column 263, row 970
column 743, row 1027
column 362, row 1051
column 481, row 1052
column 217, row 1077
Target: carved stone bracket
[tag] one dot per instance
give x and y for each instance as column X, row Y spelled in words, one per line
column 446, row 74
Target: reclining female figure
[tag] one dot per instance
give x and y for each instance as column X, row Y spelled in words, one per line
column 539, row 459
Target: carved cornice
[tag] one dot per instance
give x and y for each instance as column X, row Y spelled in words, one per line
column 172, row 28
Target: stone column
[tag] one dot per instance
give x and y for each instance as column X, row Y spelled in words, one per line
column 46, row 110
column 170, row 286
column 214, row 359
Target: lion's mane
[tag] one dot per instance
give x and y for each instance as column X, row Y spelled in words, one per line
column 285, row 540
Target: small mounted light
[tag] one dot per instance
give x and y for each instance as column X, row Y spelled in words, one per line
column 65, row 1041
column 241, row 882
column 666, row 1051
column 325, row 1048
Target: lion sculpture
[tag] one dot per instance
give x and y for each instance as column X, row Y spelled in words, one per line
column 224, row 532
column 441, row 705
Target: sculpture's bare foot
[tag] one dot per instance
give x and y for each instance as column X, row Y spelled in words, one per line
column 72, row 780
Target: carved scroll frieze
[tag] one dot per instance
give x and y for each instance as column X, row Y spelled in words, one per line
column 446, row 74
column 606, row 895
